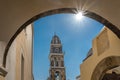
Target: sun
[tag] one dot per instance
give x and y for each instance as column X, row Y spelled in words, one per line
column 79, row 15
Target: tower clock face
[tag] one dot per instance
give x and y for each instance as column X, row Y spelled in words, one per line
column 56, row 50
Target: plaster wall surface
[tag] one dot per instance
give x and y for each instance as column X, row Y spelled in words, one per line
column 24, row 49
column 21, row 47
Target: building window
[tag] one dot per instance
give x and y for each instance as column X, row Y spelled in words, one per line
column 22, row 67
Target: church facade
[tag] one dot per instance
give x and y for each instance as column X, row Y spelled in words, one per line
column 56, row 57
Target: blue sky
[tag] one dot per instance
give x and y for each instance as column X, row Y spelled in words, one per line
column 76, row 37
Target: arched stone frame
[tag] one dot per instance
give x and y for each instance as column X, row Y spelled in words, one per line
column 105, row 65
column 56, row 11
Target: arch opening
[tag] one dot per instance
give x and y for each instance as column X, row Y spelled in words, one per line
column 113, row 74
column 56, row 11
column 57, row 75
column 105, row 65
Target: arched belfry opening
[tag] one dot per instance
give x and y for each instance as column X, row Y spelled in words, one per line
column 58, row 75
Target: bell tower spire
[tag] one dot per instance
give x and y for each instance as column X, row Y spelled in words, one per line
column 56, row 57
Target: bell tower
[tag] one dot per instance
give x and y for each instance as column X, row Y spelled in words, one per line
column 56, row 57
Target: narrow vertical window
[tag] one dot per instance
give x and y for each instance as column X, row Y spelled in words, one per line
column 58, row 76
column 22, row 67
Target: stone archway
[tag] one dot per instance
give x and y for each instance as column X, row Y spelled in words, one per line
column 57, row 11
column 104, row 65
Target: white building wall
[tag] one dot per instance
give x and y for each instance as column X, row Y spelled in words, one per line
column 21, row 45
column 11, row 62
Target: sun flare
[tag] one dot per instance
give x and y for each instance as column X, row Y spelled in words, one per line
column 79, row 15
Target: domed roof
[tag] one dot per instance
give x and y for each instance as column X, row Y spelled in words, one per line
column 55, row 40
